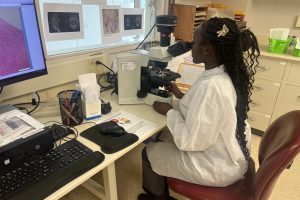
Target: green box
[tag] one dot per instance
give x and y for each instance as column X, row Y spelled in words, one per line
column 296, row 52
column 279, row 46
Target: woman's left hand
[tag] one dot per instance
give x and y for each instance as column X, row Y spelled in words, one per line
column 162, row 107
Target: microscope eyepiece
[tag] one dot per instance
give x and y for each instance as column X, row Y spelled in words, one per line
column 165, row 25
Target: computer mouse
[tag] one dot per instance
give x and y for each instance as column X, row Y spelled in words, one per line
column 111, row 128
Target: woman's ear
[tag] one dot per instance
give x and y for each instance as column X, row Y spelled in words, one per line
column 207, row 50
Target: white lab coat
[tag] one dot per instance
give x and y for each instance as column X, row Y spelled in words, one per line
column 202, row 147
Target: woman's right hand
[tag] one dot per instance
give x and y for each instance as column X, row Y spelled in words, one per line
column 172, row 87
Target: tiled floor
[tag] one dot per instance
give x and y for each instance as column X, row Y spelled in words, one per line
column 128, row 170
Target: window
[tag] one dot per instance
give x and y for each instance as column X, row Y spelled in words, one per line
column 91, row 27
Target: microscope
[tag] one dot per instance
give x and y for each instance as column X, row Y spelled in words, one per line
column 143, row 75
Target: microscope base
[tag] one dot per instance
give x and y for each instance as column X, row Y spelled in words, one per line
column 149, row 100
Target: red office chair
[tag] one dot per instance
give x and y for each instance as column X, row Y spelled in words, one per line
column 278, row 147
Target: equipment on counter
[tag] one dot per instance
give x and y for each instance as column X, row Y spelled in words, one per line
column 142, row 75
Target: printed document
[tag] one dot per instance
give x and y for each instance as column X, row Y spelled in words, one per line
column 15, row 124
column 132, row 123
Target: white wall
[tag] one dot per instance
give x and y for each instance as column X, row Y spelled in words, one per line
column 193, row 2
column 266, row 14
column 261, row 15
column 233, row 5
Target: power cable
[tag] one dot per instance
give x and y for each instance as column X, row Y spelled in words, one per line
column 145, row 37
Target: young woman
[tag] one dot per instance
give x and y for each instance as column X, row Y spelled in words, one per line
column 209, row 139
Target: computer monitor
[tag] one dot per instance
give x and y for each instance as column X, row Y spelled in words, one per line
column 132, row 21
column 21, row 51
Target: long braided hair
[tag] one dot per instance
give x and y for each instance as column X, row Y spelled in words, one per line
column 238, row 51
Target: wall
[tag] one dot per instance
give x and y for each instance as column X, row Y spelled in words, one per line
column 268, row 14
column 61, row 71
column 261, row 15
column 193, row 2
column 233, row 5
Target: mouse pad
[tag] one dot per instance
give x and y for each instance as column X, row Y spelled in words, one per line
column 109, row 144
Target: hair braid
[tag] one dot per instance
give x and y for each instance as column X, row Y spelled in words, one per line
column 238, row 51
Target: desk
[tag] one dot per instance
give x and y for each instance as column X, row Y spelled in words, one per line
column 108, row 165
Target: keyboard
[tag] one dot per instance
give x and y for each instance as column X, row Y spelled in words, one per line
column 40, row 176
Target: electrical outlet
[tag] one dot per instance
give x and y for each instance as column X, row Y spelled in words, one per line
column 298, row 21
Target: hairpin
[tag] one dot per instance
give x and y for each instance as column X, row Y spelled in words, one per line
column 223, row 31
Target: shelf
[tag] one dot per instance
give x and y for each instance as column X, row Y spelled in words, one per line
column 189, row 17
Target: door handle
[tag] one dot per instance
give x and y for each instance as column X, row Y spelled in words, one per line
column 263, row 68
column 254, row 104
column 258, row 88
column 251, row 118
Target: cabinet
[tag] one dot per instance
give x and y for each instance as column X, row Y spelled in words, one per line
column 189, row 17
column 276, row 89
column 289, row 98
column 269, row 74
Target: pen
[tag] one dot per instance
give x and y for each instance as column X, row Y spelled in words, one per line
column 74, row 96
column 67, row 109
column 74, row 99
column 69, row 115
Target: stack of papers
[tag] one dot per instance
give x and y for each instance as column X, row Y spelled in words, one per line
column 15, row 125
column 89, row 87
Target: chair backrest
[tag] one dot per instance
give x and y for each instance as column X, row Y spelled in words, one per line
column 278, row 147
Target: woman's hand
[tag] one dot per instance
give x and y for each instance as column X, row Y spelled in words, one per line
column 172, row 87
column 161, row 107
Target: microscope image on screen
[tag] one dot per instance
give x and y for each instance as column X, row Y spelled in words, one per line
column 12, row 42
column 63, row 22
column 21, row 51
column 132, row 22
column 110, row 21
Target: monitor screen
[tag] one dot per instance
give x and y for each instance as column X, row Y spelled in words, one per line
column 21, row 52
column 133, row 21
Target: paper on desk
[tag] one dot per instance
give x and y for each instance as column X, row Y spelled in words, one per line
column 189, row 73
column 132, row 123
column 15, row 125
column 89, row 87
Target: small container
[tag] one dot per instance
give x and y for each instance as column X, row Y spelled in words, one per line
column 239, row 16
column 296, row 51
column 279, row 46
column 70, row 105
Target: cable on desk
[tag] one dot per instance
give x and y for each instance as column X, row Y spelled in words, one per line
column 98, row 62
column 145, row 37
column 113, row 80
column 103, row 87
column 94, row 123
column 22, row 106
column 37, row 103
column 62, row 137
